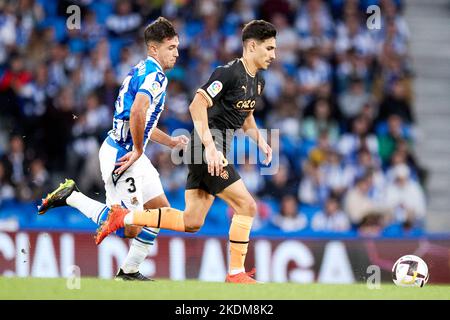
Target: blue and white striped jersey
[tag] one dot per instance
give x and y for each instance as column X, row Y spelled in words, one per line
column 146, row 77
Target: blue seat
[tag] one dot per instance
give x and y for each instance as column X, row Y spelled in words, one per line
column 102, row 10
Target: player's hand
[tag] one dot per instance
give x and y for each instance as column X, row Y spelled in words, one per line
column 267, row 150
column 180, row 142
column 126, row 161
column 215, row 160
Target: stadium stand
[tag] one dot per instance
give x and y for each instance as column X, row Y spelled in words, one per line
column 341, row 95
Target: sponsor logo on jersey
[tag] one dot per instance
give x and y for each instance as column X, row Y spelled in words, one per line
column 214, row 88
column 154, row 87
column 245, row 104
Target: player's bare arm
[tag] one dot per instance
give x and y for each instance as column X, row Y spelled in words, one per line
column 214, row 158
column 251, row 129
column 137, row 127
column 163, row 138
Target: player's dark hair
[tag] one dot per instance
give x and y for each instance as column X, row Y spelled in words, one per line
column 259, row 30
column 159, row 30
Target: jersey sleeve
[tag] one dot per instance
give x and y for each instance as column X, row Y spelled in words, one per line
column 153, row 85
column 217, row 85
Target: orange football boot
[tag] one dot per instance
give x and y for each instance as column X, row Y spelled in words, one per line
column 243, row 277
column 113, row 222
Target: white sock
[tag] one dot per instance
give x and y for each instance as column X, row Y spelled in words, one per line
column 136, row 255
column 236, row 271
column 89, row 207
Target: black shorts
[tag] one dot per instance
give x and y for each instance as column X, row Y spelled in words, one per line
column 199, row 178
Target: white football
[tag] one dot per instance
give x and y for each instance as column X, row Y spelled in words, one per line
column 410, row 271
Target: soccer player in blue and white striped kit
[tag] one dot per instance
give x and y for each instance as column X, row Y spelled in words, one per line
column 129, row 176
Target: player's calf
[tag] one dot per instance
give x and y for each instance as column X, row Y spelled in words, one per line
column 132, row 231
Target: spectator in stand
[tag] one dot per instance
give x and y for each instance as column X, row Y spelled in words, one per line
column 353, row 100
column 312, row 75
column 321, row 121
column 337, row 176
column 317, row 38
column 275, row 78
column 38, row 181
column 289, row 219
column 126, row 62
column 404, row 154
column 95, row 66
column 405, row 197
column 352, row 64
column 352, row 34
column 279, row 184
column 367, row 162
column 173, row 177
column 396, row 102
column 312, row 189
column 366, row 213
column 315, row 10
column 124, row 23
column 92, row 31
column 15, row 160
column 7, row 191
column 249, row 173
column 108, row 92
column 207, row 45
column 57, row 123
column 359, row 137
column 286, row 118
column 16, row 76
column 331, row 218
column 388, row 140
column 8, row 33
column 287, row 40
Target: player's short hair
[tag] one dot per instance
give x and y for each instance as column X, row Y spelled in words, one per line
column 159, row 30
column 259, row 30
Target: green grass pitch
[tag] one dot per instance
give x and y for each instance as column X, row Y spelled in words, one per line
column 91, row 288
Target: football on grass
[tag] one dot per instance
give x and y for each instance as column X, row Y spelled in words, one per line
column 410, row 271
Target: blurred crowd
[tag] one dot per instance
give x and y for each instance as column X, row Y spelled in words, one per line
column 340, row 93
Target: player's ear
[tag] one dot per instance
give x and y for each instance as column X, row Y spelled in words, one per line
column 252, row 45
column 152, row 48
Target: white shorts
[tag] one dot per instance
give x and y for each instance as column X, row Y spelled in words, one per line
column 139, row 184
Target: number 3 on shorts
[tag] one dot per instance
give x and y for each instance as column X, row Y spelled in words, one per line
column 132, row 187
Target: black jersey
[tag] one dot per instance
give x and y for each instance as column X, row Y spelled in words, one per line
column 231, row 92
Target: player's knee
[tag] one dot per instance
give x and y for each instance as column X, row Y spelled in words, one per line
column 132, row 231
column 192, row 224
column 248, row 208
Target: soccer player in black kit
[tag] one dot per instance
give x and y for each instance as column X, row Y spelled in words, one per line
column 226, row 102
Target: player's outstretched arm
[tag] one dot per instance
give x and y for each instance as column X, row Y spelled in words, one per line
column 163, row 138
column 251, row 129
